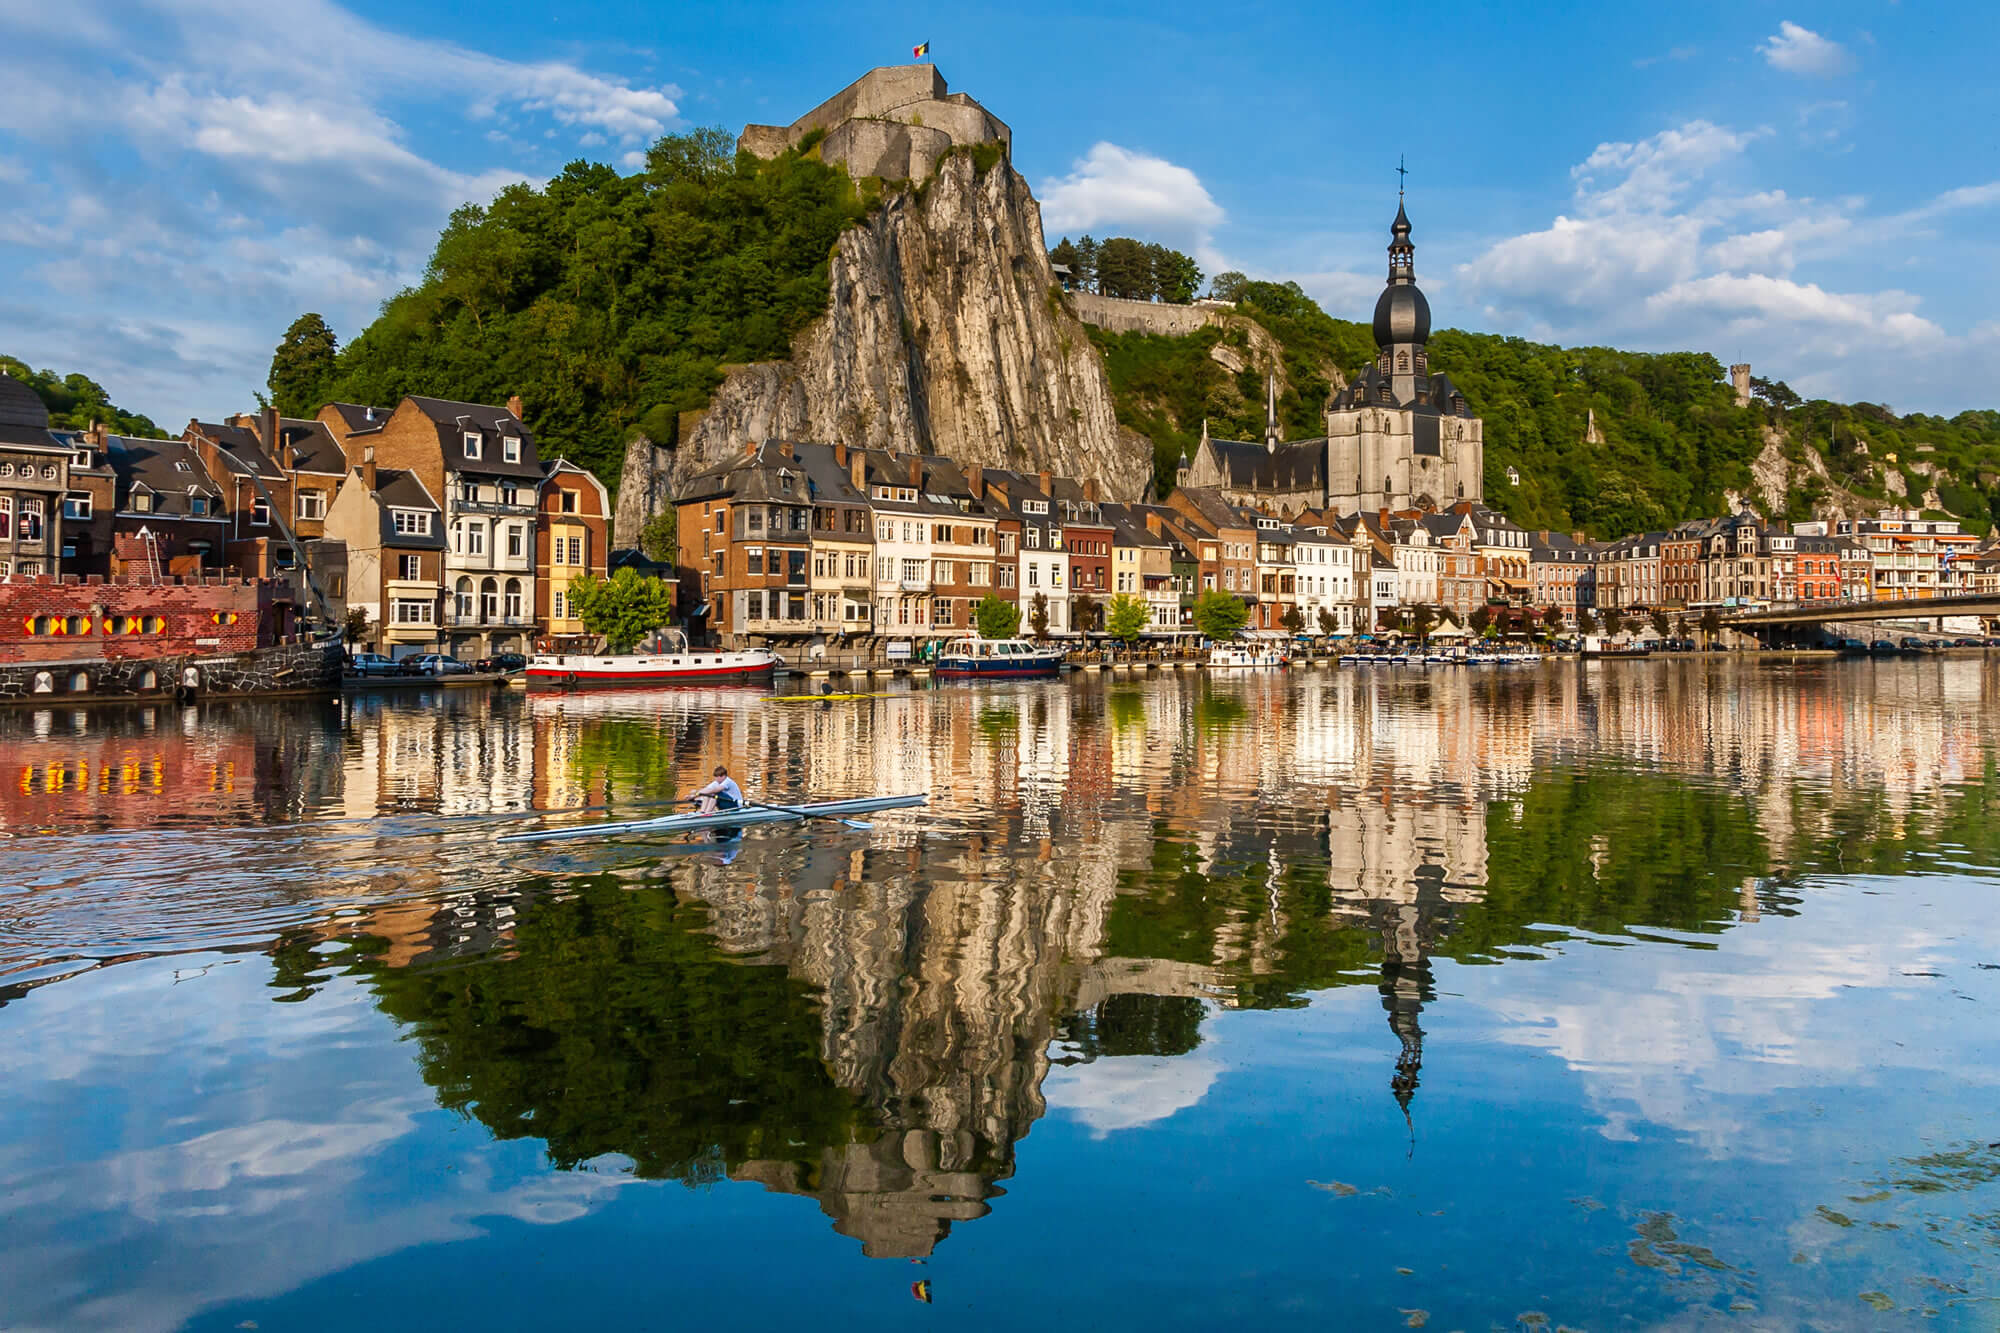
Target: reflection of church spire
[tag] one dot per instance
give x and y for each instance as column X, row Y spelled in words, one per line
column 1405, row 986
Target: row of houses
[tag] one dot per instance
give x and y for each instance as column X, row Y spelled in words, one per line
column 440, row 521
column 805, row 541
column 800, row 541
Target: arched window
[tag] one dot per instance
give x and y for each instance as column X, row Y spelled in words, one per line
column 1387, row 485
column 79, row 682
column 6, row 517
column 45, row 683
column 1403, row 362
column 148, row 680
column 513, row 599
column 462, row 597
column 31, row 520
column 489, row 599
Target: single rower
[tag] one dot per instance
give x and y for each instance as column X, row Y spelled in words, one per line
column 721, row 794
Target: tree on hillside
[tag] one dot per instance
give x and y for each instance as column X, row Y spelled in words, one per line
column 1086, row 263
column 660, row 538
column 1227, row 286
column 74, row 401
column 996, row 618
column 1038, row 615
column 302, row 367
column 1127, row 618
column 1176, row 277
column 1125, row 269
column 1219, row 615
column 624, row 608
column 699, row 156
column 1775, row 392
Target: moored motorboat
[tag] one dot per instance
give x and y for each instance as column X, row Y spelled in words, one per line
column 996, row 659
column 670, row 662
column 1240, row 654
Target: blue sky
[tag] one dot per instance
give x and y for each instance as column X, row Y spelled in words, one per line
column 1810, row 188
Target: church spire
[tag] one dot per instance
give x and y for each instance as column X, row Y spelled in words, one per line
column 1271, row 413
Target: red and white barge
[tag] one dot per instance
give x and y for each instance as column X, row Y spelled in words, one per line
column 669, row 662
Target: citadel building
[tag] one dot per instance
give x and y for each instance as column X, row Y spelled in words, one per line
column 1399, row 437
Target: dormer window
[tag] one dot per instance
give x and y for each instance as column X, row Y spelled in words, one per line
column 142, row 503
column 474, row 444
column 198, row 505
column 510, row 448
column 82, row 458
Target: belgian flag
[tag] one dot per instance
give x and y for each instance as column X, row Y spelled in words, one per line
column 920, row 50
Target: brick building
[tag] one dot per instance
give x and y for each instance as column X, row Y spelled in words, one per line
column 572, row 540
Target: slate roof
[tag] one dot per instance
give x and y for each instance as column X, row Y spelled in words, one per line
column 242, row 442
column 402, row 490
column 360, row 418
column 1295, row 465
column 167, row 468
column 453, row 419
column 23, row 417
column 309, row 446
column 1365, row 391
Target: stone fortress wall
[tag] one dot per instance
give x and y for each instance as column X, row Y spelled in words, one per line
column 894, row 122
column 1121, row 315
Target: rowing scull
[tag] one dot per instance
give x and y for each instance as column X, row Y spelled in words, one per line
column 690, row 822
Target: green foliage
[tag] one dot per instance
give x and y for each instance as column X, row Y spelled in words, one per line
column 1423, row 617
column 1038, row 615
column 1135, row 270
column 1086, row 613
column 997, row 618
column 1127, row 617
column 1481, row 620
column 1228, row 286
column 354, row 626
column 1219, row 615
column 302, row 367
column 1586, row 623
column 608, row 301
column 1293, row 620
column 1711, row 624
column 624, row 608
column 74, row 401
column 660, row 538
column 1328, row 621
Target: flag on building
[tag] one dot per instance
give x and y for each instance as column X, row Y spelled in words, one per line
column 921, row 49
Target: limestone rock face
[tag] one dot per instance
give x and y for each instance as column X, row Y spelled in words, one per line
column 944, row 333
column 643, row 490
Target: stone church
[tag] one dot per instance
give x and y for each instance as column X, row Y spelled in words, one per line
column 1398, row 437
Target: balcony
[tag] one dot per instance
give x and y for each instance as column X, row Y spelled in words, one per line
column 915, row 585
column 475, row 618
column 493, row 507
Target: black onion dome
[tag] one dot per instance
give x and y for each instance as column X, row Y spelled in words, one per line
column 1402, row 315
column 20, row 405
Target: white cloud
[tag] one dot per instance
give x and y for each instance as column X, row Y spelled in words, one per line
column 1657, row 252
column 1128, row 1091
column 1113, row 186
column 178, row 168
column 1797, row 50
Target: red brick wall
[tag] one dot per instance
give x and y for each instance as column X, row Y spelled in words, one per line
column 187, row 613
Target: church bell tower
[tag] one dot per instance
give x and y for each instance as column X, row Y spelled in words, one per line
column 1402, row 317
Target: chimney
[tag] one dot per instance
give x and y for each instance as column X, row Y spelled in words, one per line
column 857, row 471
column 1153, row 524
column 975, row 480
column 917, row 471
column 750, row 448
column 1090, row 489
column 270, row 432
column 514, row 406
column 368, row 467
column 1048, row 482
column 98, row 435
column 839, row 454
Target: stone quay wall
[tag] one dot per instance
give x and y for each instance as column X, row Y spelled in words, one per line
column 299, row 666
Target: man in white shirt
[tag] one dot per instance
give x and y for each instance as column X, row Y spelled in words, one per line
column 721, row 794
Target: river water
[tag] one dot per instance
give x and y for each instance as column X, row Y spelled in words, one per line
column 1621, row 995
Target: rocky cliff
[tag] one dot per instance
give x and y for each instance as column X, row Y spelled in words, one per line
column 944, row 333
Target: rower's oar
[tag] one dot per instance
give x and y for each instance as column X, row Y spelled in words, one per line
column 807, row 814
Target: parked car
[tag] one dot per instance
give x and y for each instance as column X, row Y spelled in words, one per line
column 1965, row 643
column 371, row 664
column 501, row 663
column 440, row 664
column 1852, row 646
column 1912, row 644
column 1883, row 647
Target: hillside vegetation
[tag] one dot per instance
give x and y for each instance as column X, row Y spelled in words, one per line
column 74, row 401
column 611, row 302
column 1674, row 443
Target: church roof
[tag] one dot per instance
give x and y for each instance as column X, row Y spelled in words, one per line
column 1295, row 465
column 1366, row 391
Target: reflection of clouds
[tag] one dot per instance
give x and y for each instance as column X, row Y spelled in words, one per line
column 1120, row 1092
column 213, row 1147
column 1693, row 1040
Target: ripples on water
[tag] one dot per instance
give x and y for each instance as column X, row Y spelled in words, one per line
column 1614, row 996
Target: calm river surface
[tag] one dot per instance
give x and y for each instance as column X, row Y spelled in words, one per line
column 1623, row 995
